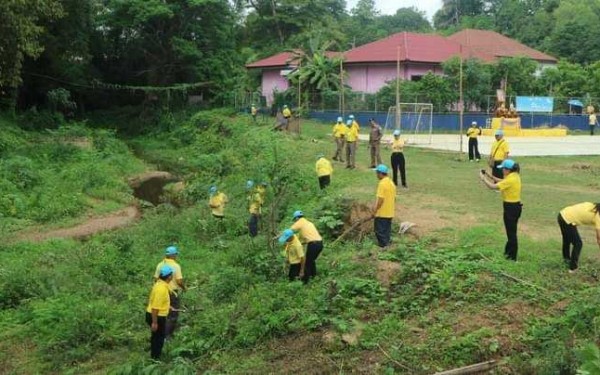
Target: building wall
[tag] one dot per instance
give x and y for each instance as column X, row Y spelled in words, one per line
column 371, row 78
column 272, row 80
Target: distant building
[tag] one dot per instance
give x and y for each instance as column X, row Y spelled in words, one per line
column 369, row 67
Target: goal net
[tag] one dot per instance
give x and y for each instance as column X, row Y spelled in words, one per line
column 415, row 121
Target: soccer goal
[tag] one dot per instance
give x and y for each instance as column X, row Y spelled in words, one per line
column 415, row 121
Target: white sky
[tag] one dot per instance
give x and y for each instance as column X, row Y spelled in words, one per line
column 390, row 6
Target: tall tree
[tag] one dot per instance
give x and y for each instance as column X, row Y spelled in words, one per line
column 452, row 12
column 477, row 80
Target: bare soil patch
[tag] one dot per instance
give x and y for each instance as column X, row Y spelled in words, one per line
column 386, row 270
column 150, row 186
column 93, row 225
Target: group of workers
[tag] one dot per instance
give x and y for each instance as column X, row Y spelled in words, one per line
column 302, row 243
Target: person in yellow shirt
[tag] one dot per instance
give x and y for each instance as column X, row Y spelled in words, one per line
column 510, row 189
column 499, row 152
column 473, row 132
column 593, row 121
column 385, row 206
column 324, row 170
column 157, row 310
column 255, row 201
column 351, row 141
column 287, row 115
column 339, row 135
column 569, row 219
column 254, row 112
column 294, row 254
column 310, row 236
column 217, row 202
column 397, row 159
column 176, row 287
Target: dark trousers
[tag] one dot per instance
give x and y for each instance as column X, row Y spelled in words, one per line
column 324, row 181
column 383, row 230
column 512, row 213
column 570, row 236
column 294, row 272
column 398, row 164
column 253, row 225
column 474, row 149
column 157, row 339
column 592, row 129
column 313, row 250
column 495, row 171
column 173, row 316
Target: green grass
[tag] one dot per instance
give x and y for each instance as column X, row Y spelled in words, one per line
column 452, row 302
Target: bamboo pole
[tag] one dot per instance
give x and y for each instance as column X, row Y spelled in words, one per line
column 398, row 89
column 472, row 369
column 461, row 103
column 299, row 95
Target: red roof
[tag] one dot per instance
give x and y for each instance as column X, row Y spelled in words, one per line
column 283, row 59
column 427, row 48
column 497, row 45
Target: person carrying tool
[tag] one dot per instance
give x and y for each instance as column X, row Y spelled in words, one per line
column 159, row 304
column 339, row 135
column 375, row 136
column 176, row 287
column 569, row 219
column 310, row 236
column 473, row 132
column 498, row 154
column 351, row 142
column 324, row 171
column 294, row 254
column 385, row 206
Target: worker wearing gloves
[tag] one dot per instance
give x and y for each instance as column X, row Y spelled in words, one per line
column 310, row 236
column 324, row 170
column 339, row 135
column 294, row 254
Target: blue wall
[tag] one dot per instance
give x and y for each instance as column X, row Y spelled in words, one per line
column 450, row 121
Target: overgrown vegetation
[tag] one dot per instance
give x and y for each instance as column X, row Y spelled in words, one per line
column 77, row 307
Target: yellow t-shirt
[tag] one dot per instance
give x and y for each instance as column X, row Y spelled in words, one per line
column 177, row 275
column 510, row 187
column 217, row 204
column 339, row 130
column 323, row 167
column 581, row 214
column 499, row 150
column 352, row 135
column 386, row 190
column 159, row 298
column 254, row 111
column 294, row 252
column 355, row 124
column 473, row 132
column 307, row 230
column 287, row 113
column 256, row 202
column 398, row 145
column 593, row 119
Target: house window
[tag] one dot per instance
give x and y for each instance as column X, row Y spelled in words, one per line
column 415, row 78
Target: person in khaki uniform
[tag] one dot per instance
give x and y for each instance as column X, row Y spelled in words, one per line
column 351, row 141
column 374, row 143
column 339, row 135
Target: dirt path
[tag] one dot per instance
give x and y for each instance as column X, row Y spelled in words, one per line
column 91, row 226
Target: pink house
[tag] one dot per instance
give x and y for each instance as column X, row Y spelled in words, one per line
column 369, row 67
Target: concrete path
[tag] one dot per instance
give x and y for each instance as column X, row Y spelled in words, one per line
column 519, row 146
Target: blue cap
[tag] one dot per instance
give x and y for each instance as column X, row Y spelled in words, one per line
column 507, row 164
column 285, row 106
column 349, row 122
column 381, row 168
column 298, row 214
column 285, row 236
column 213, row 189
column 171, row 250
column 249, row 184
column 351, row 117
column 396, row 132
column 166, row 270
column 340, row 119
column 499, row 132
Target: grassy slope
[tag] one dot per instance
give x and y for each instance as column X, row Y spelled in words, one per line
column 451, row 303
